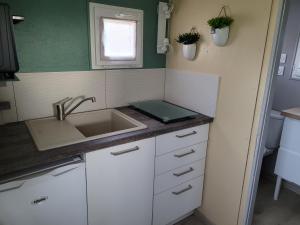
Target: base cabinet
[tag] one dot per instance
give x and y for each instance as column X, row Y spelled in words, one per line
column 124, row 188
column 179, row 173
column 177, row 202
column 120, row 184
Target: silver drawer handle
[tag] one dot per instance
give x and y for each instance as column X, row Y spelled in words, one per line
column 186, row 135
column 125, row 151
column 191, row 169
column 184, row 154
column 183, row 190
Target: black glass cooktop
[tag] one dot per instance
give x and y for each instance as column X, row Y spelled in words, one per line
column 164, row 111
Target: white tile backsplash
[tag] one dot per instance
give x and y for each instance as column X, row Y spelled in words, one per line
column 7, row 94
column 125, row 86
column 195, row 91
column 36, row 92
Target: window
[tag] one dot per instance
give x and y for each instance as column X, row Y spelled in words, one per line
column 111, row 46
column 116, row 37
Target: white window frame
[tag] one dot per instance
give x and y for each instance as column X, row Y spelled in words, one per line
column 97, row 11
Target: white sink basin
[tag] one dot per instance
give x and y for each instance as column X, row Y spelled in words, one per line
column 50, row 133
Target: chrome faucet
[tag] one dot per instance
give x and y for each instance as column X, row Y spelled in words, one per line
column 61, row 113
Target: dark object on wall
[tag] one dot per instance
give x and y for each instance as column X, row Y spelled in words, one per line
column 5, row 105
column 8, row 56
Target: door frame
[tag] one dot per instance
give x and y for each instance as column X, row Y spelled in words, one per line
column 266, row 109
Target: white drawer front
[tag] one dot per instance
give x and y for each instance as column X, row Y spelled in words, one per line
column 178, row 176
column 175, row 203
column 179, row 139
column 180, row 158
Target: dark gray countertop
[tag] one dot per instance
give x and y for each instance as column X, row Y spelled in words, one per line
column 19, row 155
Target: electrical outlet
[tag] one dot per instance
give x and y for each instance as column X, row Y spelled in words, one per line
column 280, row 71
column 283, row 58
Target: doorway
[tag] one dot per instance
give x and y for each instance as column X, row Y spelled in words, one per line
column 274, row 197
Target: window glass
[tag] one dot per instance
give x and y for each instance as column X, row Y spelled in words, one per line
column 118, row 39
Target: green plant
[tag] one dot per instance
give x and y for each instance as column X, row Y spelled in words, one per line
column 188, row 38
column 220, row 22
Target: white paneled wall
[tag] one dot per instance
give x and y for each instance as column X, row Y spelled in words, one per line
column 195, row 91
column 36, row 92
column 7, row 94
column 33, row 96
column 125, row 86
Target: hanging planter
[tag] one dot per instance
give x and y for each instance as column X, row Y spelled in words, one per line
column 189, row 51
column 220, row 27
column 189, row 43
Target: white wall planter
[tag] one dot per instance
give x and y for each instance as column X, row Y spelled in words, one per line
column 220, row 36
column 189, row 51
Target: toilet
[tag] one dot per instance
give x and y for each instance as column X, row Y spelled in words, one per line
column 274, row 132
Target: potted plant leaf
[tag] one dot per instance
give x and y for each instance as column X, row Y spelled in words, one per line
column 189, row 43
column 220, row 28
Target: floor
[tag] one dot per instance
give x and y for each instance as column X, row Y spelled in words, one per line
column 285, row 211
column 191, row 220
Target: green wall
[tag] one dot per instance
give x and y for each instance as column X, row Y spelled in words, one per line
column 54, row 36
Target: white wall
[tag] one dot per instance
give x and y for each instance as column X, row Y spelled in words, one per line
column 239, row 65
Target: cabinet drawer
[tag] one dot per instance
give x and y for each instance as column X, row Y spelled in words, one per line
column 179, row 139
column 175, row 203
column 180, row 158
column 178, row 176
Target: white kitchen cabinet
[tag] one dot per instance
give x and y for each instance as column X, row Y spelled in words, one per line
column 53, row 196
column 120, row 184
column 179, row 173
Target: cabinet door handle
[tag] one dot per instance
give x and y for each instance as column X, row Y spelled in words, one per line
column 12, row 186
column 184, row 154
column 136, row 148
column 191, row 169
column 186, row 135
column 183, row 190
column 64, row 170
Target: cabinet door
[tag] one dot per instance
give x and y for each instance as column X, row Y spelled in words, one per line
column 120, row 184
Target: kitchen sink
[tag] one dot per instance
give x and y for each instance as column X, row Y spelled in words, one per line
column 104, row 123
column 50, row 133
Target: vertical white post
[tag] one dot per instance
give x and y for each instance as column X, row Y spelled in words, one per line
column 162, row 28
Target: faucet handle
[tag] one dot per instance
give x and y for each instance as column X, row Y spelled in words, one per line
column 60, row 108
column 64, row 101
